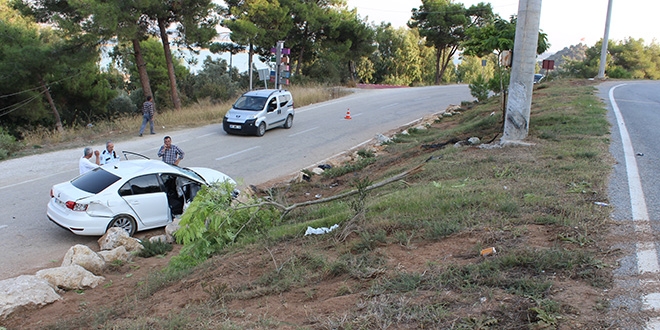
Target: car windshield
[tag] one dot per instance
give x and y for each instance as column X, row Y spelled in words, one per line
column 252, row 103
column 189, row 173
column 95, row 180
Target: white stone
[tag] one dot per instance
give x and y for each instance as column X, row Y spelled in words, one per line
column 118, row 253
column 116, row 237
column 25, row 291
column 474, row 140
column 73, row 277
column 159, row 238
column 84, row 256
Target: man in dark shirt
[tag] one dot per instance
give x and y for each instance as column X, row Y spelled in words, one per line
column 147, row 115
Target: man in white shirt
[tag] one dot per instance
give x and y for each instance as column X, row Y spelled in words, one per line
column 85, row 163
column 109, row 156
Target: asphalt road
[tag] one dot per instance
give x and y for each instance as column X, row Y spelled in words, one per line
column 634, row 111
column 29, row 241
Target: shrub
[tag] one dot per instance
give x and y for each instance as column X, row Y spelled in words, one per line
column 8, row 144
column 154, row 248
column 122, row 104
column 479, row 88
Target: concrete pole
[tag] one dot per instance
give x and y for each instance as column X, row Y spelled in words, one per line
column 516, row 121
column 603, row 48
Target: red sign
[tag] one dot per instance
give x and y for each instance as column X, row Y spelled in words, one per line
column 548, row 64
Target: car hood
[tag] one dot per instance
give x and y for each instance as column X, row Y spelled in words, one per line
column 211, row 175
column 242, row 114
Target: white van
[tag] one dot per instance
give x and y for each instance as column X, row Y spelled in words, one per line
column 257, row 111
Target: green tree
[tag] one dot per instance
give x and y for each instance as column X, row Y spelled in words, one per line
column 256, row 24
column 471, row 68
column 64, row 70
column 495, row 36
column 627, row 59
column 406, row 67
column 214, row 82
column 98, row 21
column 155, row 66
column 312, row 21
column 382, row 58
column 443, row 24
column 195, row 21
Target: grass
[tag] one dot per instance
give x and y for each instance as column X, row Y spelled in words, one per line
column 534, row 204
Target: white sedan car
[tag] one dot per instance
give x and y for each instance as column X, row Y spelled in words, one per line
column 133, row 194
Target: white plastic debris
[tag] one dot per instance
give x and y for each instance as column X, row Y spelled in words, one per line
column 601, row 204
column 320, row 231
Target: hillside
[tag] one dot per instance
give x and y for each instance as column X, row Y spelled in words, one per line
column 411, row 254
column 574, row 52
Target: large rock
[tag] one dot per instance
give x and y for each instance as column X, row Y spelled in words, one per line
column 117, row 254
column 25, row 291
column 116, row 237
column 170, row 229
column 84, row 256
column 72, row 277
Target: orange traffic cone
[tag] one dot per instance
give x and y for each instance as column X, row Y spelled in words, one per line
column 348, row 114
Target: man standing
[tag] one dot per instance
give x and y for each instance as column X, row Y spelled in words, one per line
column 170, row 153
column 109, row 156
column 147, row 115
column 85, row 163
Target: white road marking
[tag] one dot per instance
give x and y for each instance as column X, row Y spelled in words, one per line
column 3, row 226
column 653, row 324
column 390, row 105
column 238, row 153
column 637, row 200
column 305, row 131
column 205, row 135
column 647, row 259
column 651, row 301
column 32, row 180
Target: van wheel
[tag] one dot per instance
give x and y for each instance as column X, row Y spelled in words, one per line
column 125, row 222
column 261, row 130
column 289, row 122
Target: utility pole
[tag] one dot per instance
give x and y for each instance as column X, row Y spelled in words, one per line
column 516, row 120
column 603, row 48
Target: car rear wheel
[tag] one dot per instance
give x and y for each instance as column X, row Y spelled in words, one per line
column 289, row 122
column 125, row 222
column 261, row 130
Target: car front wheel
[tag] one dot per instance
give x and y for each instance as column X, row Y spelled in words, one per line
column 125, row 222
column 261, row 130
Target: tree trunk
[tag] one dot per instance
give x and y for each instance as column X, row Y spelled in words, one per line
column 176, row 101
column 142, row 68
column 58, row 120
column 438, row 55
column 300, row 59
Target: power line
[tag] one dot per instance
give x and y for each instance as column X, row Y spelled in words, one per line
column 14, row 107
column 36, row 88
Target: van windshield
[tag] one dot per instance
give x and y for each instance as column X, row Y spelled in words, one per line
column 253, row 103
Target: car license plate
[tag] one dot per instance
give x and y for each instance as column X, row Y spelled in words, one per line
column 235, row 126
column 60, row 202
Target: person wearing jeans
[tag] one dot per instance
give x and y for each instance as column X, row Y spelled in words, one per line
column 147, row 115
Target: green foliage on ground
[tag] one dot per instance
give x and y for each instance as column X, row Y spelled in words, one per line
column 215, row 220
column 155, row 248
